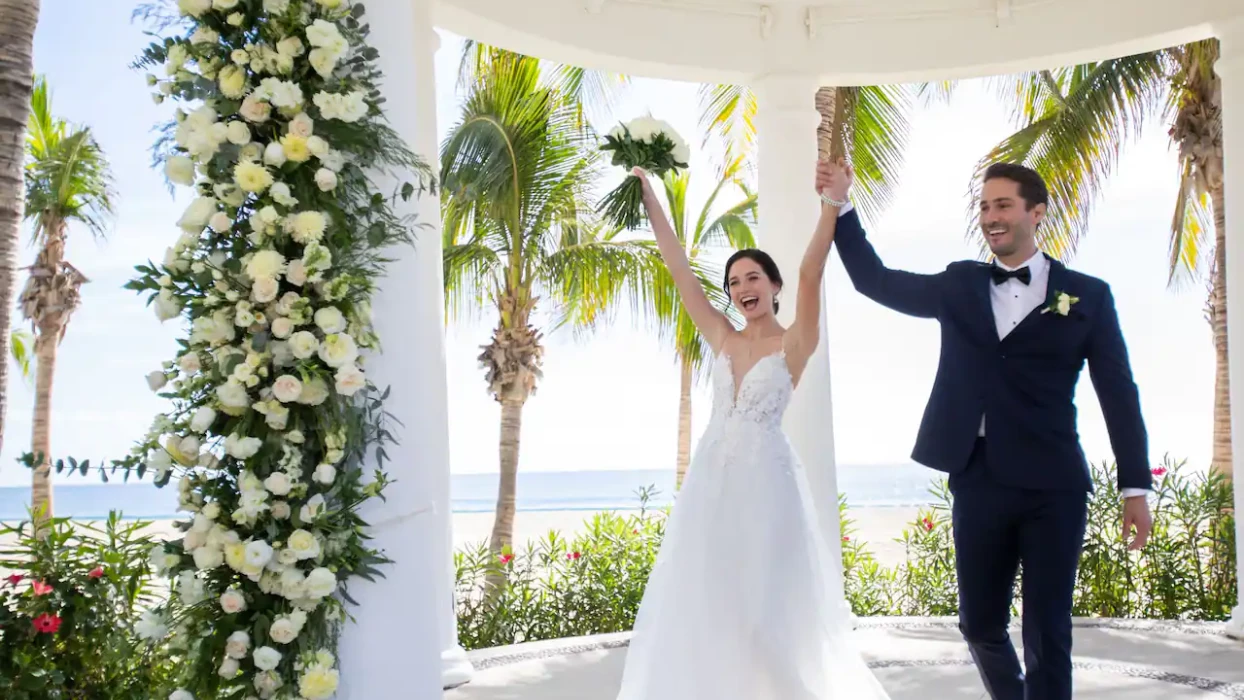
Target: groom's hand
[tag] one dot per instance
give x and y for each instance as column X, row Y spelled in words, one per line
column 1136, row 515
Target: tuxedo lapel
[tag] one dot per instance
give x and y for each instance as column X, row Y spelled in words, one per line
column 1053, row 286
column 982, row 283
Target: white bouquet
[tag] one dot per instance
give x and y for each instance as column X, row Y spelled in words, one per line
column 648, row 143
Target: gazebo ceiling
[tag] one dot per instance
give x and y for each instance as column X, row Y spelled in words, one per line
column 845, row 42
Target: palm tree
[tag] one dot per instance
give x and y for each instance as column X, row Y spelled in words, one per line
column 1075, row 121
column 67, row 180
column 709, row 232
column 516, row 175
column 18, row 19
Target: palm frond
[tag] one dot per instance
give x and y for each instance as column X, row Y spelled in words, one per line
column 471, row 271
column 1075, row 123
column 1192, row 233
column 879, row 140
column 21, row 349
column 729, row 112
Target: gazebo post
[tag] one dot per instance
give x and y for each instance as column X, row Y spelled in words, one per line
column 1230, row 69
column 786, row 134
column 404, row 635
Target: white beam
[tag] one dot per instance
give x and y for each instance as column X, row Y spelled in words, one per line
column 1230, row 69
column 786, row 134
column 403, row 642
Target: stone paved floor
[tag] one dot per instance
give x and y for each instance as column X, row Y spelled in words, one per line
column 913, row 658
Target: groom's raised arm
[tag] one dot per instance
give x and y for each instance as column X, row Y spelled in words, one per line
column 906, row 292
column 1119, row 398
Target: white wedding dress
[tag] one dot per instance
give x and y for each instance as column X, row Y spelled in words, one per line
column 740, row 604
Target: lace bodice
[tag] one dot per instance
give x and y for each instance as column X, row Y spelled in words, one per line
column 762, row 395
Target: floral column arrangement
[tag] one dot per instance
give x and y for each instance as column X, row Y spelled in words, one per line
column 272, row 415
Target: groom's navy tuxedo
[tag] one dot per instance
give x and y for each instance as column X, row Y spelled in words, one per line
column 1001, row 420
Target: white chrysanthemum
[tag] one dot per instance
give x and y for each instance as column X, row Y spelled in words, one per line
column 265, row 263
column 318, row 683
column 295, row 148
column 232, row 81
column 208, row 558
column 307, row 226
column 252, row 177
column 196, row 216
column 191, row 588
column 280, row 93
column 179, row 170
column 338, row 349
column 350, row 107
column 349, row 380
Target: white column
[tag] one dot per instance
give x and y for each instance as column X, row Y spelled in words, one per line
column 789, row 208
column 403, row 640
column 1230, row 69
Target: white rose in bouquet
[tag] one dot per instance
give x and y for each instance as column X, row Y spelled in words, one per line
column 646, row 143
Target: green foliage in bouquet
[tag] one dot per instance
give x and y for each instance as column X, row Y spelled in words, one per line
column 646, row 143
column 74, row 619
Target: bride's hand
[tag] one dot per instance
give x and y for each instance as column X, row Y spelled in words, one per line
column 834, row 180
column 643, row 180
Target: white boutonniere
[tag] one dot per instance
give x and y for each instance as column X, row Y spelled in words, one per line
column 1061, row 304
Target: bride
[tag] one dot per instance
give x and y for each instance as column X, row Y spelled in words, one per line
column 740, row 604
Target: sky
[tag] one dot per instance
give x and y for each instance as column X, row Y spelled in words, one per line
column 610, row 401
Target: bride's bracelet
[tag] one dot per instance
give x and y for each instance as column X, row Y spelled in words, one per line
column 832, row 202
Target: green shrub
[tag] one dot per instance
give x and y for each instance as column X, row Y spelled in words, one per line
column 1186, row 572
column 70, row 603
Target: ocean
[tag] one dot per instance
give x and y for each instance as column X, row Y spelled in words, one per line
column 871, row 485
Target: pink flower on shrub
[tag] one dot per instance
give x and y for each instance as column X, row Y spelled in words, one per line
column 573, row 555
column 845, row 538
column 40, row 588
column 97, row 572
column 14, row 579
column 506, row 558
column 47, row 623
column 928, row 523
column 1158, row 471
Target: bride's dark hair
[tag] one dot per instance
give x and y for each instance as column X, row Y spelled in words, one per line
column 762, row 259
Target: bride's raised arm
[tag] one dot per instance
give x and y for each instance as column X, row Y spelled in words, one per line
column 712, row 324
column 833, row 180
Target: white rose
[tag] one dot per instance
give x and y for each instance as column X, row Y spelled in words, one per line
column 321, row 583
column 167, row 306
column 296, row 273
column 314, row 392
column 268, row 683
column 229, row 668
column 179, row 170
column 283, row 631
column 282, row 327
column 194, row 8
column 189, row 446
column 264, row 290
column 232, row 81
column 180, row 694
column 302, row 125
column 197, row 214
column 280, row 511
column 242, row 447
column 303, row 344
column 239, row 133
column 349, row 379
column 238, row 644
column 323, row 61
column 232, row 601
column 224, row 4
column 211, row 511
column 330, row 320
column 274, row 155
column 189, row 363
column 265, row 263
column 207, row 558
column 318, row 683
column 266, row 658
column 275, row 7
column 338, row 350
column 233, row 396
column 203, row 418
column 156, row 380
column 258, row 553
column 326, row 180
column 235, row 19
column 220, row 222
column 325, row 473
column 290, row 46
column 240, row 57
column 278, row 483
column 333, row 160
column 287, row 388
column 255, row 111
column 304, row 544
column 317, row 146
column 313, row 508
column 280, row 191
column 1064, row 305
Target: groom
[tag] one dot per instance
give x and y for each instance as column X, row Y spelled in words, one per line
column 1001, row 421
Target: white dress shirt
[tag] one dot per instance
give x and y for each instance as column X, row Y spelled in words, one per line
column 1013, row 301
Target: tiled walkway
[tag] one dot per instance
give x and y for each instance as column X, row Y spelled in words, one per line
column 914, row 658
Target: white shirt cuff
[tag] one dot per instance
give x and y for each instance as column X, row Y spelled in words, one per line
column 845, row 209
column 1131, row 493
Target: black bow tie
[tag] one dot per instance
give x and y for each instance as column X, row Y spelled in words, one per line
column 1000, row 275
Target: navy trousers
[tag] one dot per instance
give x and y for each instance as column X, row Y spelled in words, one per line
column 996, row 529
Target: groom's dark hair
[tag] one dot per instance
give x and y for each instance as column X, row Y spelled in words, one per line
column 1031, row 187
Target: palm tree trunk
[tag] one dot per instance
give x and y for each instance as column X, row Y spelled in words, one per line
column 837, row 109
column 41, row 435
column 684, row 425
column 511, row 427
column 18, row 19
column 1221, row 460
